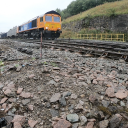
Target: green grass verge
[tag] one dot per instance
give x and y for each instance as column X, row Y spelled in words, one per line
column 107, row 9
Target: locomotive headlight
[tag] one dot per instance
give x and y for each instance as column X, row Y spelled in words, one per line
column 58, row 28
column 46, row 27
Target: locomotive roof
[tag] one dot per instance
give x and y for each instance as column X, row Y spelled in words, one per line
column 52, row 12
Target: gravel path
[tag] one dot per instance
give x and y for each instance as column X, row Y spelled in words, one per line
column 61, row 90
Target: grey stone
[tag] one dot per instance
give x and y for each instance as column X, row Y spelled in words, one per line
column 102, row 93
column 73, row 96
column 13, row 100
column 122, row 103
column 114, row 100
column 38, row 88
column 72, row 118
column 48, row 105
column 1, row 85
column 65, row 94
column 101, row 115
column 10, row 113
column 110, row 92
column 88, row 81
column 71, row 107
column 18, row 68
column 54, row 113
column 75, row 125
column 51, row 82
column 55, row 97
column 79, row 107
column 115, row 121
column 82, row 84
column 57, row 106
column 13, row 110
column 9, row 119
column 11, row 94
column 105, row 103
column 119, row 88
column 26, row 101
column 113, row 109
column 92, row 98
column 103, row 124
column 83, row 120
column 62, row 101
column 81, row 102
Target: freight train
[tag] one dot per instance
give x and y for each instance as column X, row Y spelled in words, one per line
column 48, row 24
column 3, row 35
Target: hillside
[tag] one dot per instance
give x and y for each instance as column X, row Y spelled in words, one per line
column 107, row 9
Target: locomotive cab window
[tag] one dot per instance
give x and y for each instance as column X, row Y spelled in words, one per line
column 48, row 18
column 56, row 19
column 41, row 19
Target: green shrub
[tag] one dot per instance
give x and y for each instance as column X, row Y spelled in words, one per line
column 112, row 12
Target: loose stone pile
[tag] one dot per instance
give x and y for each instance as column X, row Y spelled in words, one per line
column 64, row 90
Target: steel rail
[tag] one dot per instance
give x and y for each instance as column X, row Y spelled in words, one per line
column 97, row 48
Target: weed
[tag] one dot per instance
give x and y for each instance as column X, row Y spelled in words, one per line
column 33, row 58
column 1, row 63
column 67, row 34
column 53, row 64
column 89, row 31
column 45, row 63
column 2, row 69
column 17, row 65
column 112, row 12
column 105, row 110
column 66, row 58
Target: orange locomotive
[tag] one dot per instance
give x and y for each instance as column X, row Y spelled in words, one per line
column 49, row 24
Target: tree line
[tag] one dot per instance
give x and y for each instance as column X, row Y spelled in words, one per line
column 78, row 6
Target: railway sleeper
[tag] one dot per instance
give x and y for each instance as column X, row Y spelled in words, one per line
column 116, row 56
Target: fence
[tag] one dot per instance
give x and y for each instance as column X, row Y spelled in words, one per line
column 112, row 37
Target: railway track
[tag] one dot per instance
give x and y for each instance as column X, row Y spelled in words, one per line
column 113, row 50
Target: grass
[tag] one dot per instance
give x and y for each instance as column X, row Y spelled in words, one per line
column 17, row 65
column 45, row 63
column 1, row 63
column 107, row 9
column 53, row 64
column 33, row 58
column 2, row 69
column 70, row 34
column 67, row 34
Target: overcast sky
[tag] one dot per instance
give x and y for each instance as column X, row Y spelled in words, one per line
column 15, row 12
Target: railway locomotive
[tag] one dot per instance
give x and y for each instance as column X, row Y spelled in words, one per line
column 48, row 24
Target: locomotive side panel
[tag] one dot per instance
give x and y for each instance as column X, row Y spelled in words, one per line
column 40, row 22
